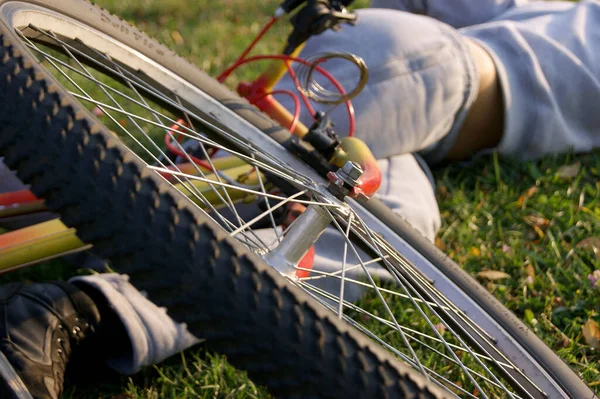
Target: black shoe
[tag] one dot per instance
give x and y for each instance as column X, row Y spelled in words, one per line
column 40, row 327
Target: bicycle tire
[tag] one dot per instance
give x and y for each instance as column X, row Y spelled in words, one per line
column 126, row 33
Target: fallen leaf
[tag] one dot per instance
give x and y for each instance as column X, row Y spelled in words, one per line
column 442, row 190
column 529, row 280
column 492, row 275
column 97, row 111
column 537, row 223
column 558, row 301
column 440, row 327
column 475, row 251
column 440, row 244
column 177, row 37
column 526, row 195
column 591, row 333
column 480, row 205
column 530, row 270
column 590, row 244
column 569, row 171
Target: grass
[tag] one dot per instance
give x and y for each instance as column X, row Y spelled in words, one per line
column 527, row 220
column 523, row 219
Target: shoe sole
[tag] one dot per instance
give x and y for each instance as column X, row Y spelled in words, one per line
column 10, row 383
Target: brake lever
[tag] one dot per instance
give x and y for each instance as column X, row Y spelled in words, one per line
column 314, row 18
column 290, row 5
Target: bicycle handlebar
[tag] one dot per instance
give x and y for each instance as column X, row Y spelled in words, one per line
column 314, row 18
column 290, row 5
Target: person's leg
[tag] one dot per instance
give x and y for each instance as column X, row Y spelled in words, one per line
column 531, row 86
column 548, row 61
column 151, row 334
column 41, row 327
column 458, row 13
column 99, row 318
column 422, row 80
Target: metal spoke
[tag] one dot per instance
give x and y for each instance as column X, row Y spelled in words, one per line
column 362, row 284
column 439, row 378
column 298, row 178
column 380, row 296
column 267, row 204
column 323, row 274
column 411, row 333
column 403, row 283
column 133, row 137
column 262, row 215
column 343, row 279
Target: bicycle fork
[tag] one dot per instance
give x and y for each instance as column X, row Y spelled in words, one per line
column 298, row 241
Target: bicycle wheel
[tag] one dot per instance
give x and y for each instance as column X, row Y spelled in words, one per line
column 285, row 328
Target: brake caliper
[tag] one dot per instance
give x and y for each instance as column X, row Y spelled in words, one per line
column 358, row 174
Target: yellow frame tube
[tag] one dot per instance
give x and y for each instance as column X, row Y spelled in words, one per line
column 36, row 243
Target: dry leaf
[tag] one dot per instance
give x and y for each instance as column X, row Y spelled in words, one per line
column 492, row 275
column 440, row 244
column 97, row 112
column 590, row 244
column 475, row 251
column 526, row 195
column 558, row 301
column 530, row 270
column 442, row 190
column 440, row 327
column 538, row 223
column 591, row 333
column 177, row 37
column 569, row 171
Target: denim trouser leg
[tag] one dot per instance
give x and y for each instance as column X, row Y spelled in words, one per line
column 548, row 60
column 422, row 81
column 547, row 54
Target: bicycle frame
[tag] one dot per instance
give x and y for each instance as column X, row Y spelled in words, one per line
column 53, row 239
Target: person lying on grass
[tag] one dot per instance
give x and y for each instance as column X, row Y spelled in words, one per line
column 465, row 78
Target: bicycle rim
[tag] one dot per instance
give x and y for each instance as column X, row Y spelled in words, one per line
column 370, row 285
